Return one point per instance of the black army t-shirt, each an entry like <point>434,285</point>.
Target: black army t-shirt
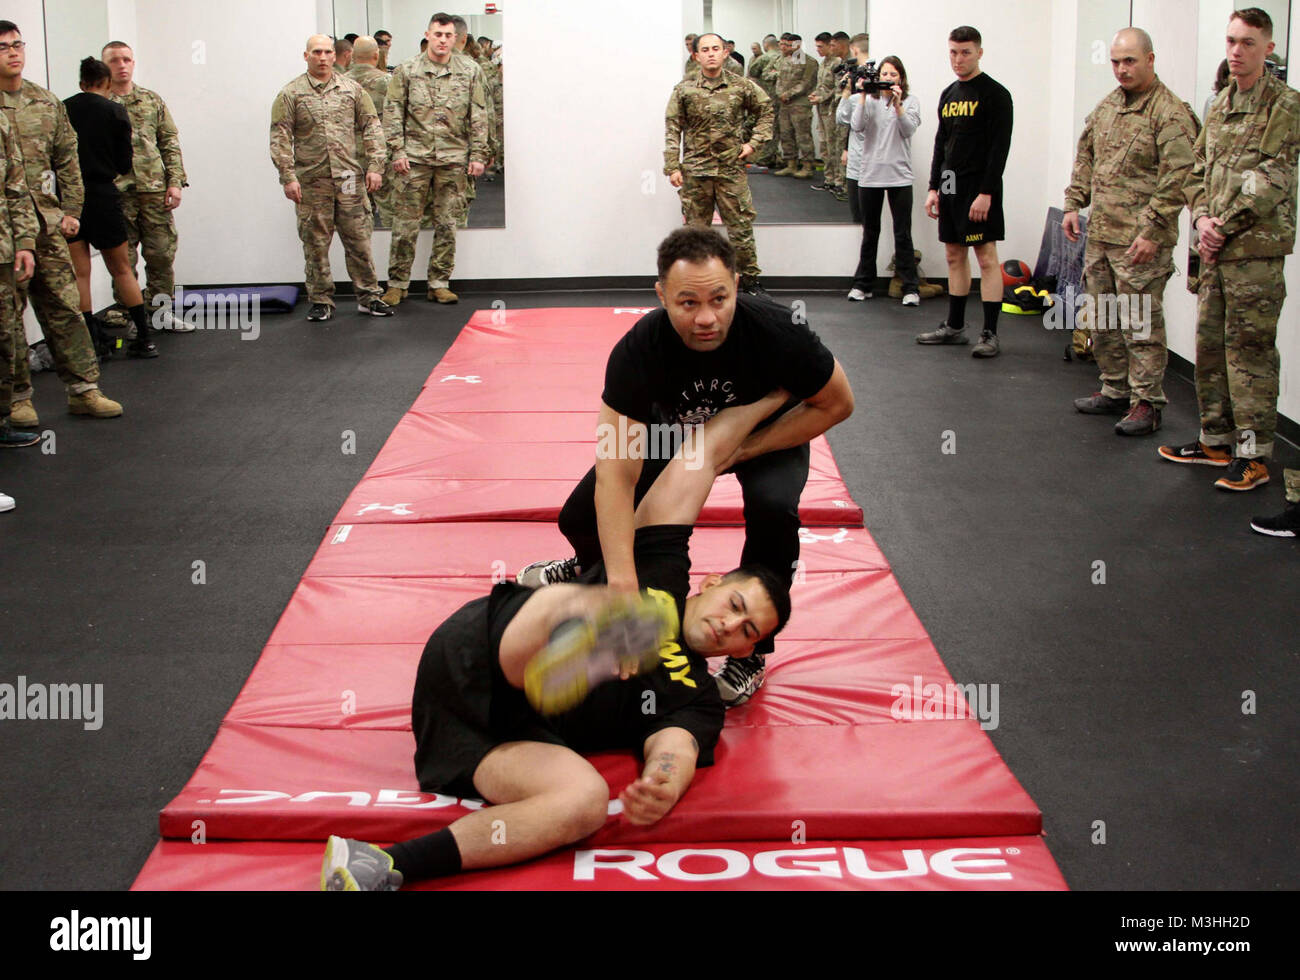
<point>974,135</point>
<point>654,378</point>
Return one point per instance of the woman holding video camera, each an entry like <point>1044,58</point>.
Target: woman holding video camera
<point>883,120</point>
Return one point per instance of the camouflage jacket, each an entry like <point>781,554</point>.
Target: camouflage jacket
<point>759,70</point>
<point>712,115</point>
<point>1132,164</point>
<point>155,143</point>
<point>314,127</point>
<point>826,88</point>
<point>49,153</point>
<point>437,114</point>
<point>796,80</point>
<point>374,81</point>
<point>1245,169</point>
<point>489,100</point>
<point>19,229</point>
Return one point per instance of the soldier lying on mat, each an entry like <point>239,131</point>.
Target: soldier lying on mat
<point>504,698</point>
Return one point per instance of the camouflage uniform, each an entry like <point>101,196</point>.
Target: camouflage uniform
<point>691,69</point>
<point>1245,174</point>
<point>156,165</point>
<point>1132,163</point>
<point>496,83</point>
<point>314,128</point>
<point>758,72</point>
<point>796,80</point>
<point>435,116</point>
<point>1292,478</point>
<point>49,152</point>
<point>18,230</point>
<point>711,114</point>
<point>827,91</point>
<point>375,82</point>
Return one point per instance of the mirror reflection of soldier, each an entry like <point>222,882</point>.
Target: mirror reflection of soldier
<point>706,147</point>
<point>314,124</point>
<point>366,73</point>
<point>435,121</point>
<point>18,230</point>
<point>796,77</point>
<point>758,71</point>
<point>824,97</point>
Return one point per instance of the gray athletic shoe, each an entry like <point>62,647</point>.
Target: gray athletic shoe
<point>740,678</point>
<point>988,345</point>
<point>944,335</point>
<point>355,866</point>
<point>541,573</point>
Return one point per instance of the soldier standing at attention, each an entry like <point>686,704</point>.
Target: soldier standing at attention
<point>1242,195</point>
<point>152,190</point>
<point>18,229</point>
<point>710,111</point>
<point>435,121</point>
<point>314,125</point>
<point>48,146</point>
<point>692,67</point>
<point>365,72</point>
<point>823,97</point>
<point>796,78</point>
<point>1134,158</point>
<point>758,71</point>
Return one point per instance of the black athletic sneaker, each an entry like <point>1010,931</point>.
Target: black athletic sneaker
<point>11,438</point>
<point>141,348</point>
<point>320,311</point>
<point>754,288</point>
<point>541,573</point>
<point>1284,525</point>
<point>374,307</point>
<point>740,678</point>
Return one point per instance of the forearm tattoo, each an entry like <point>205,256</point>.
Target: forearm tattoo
<point>666,764</point>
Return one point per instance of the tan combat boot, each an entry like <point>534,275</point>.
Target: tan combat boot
<point>22,415</point>
<point>443,295</point>
<point>805,170</point>
<point>94,404</point>
<point>393,295</point>
<point>787,169</point>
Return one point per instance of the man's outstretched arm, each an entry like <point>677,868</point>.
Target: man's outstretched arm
<point>616,478</point>
<point>670,755</point>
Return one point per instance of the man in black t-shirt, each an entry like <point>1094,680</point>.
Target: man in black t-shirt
<point>708,348</point>
<point>493,711</point>
<point>970,153</point>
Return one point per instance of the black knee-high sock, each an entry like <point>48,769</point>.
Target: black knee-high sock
<point>430,856</point>
<point>991,311</point>
<point>90,321</point>
<point>956,311</point>
<point>141,320</point>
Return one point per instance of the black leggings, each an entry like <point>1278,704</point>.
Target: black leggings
<point>870,200</point>
<point>770,487</point>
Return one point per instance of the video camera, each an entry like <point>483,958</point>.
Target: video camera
<point>863,77</point>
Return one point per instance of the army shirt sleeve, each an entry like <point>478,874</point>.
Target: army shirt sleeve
<point>1267,184</point>
<point>673,132</point>
<point>761,106</point>
<point>367,123</point>
<point>67,165</point>
<point>282,111</point>
<point>1079,193</point>
<point>394,114</point>
<point>478,118</point>
<point>1174,141</point>
<point>22,215</point>
<point>169,147</point>
<point>809,78</point>
<point>1194,190</point>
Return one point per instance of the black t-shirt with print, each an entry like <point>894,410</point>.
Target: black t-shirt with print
<point>654,378</point>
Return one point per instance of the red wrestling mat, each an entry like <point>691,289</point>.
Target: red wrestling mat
<point>859,737</point>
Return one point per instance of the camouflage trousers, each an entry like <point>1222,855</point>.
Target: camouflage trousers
<point>411,193</point>
<point>731,197</point>
<point>831,143</point>
<point>8,315</point>
<point>54,297</point>
<point>796,131</point>
<point>150,231</point>
<point>1292,478</point>
<point>771,152</point>
<point>331,204</point>
<point>1131,353</point>
<point>1236,354</point>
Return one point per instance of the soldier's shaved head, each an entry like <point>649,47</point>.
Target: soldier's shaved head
<point>319,41</point>
<point>1134,35</point>
<point>365,50</point>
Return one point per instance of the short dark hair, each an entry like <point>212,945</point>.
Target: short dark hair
<point>9,27</point>
<point>461,25</point>
<point>786,36</point>
<point>696,245</point>
<point>1254,17</point>
<point>114,44</point>
<point>381,33</point>
<point>841,35</point>
<point>695,45</point>
<point>795,37</point>
<point>777,590</point>
<point>965,33</point>
<point>824,36</point>
<point>441,18</point>
<point>424,43</point>
<point>350,37</point>
<point>341,45</point>
<point>93,71</point>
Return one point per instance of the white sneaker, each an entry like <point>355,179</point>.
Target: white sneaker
<point>164,320</point>
<point>912,299</point>
<point>6,503</point>
<point>857,295</point>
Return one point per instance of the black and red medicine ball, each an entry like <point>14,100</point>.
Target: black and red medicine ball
<point>1015,273</point>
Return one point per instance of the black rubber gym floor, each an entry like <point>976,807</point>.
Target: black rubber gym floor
<point>1121,704</point>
